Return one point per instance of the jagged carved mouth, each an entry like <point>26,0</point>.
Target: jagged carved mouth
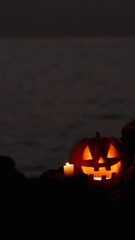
<point>103,173</point>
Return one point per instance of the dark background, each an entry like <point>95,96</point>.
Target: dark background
<point>42,18</point>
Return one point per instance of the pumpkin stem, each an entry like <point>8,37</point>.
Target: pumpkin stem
<point>97,134</point>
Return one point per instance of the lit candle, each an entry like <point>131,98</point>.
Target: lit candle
<point>68,169</point>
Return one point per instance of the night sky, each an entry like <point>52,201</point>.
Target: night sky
<point>67,17</point>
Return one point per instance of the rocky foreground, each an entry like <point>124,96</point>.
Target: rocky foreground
<point>53,186</point>
<point>53,197</point>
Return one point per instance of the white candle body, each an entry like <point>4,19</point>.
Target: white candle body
<point>68,169</point>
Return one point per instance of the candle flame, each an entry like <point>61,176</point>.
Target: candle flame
<point>67,164</point>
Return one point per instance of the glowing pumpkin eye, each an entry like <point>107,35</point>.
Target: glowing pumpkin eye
<point>112,152</point>
<point>86,154</point>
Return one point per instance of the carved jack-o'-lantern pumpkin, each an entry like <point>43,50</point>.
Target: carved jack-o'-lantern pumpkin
<point>101,158</point>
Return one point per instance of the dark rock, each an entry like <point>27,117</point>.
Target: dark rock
<point>8,170</point>
<point>128,136</point>
<point>53,194</point>
<point>53,200</point>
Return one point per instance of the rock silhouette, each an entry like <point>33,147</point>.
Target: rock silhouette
<point>51,193</point>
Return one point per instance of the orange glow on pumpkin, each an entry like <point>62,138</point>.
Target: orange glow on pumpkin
<point>98,175</point>
<point>102,171</point>
<point>112,152</point>
<point>100,158</point>
<point>86,154</point>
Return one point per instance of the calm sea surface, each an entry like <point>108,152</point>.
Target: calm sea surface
<point>55,91</point>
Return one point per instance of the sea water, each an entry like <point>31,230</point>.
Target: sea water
<point>56,91</point>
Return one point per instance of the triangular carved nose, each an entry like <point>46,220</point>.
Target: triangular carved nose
<point>101,160</point>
